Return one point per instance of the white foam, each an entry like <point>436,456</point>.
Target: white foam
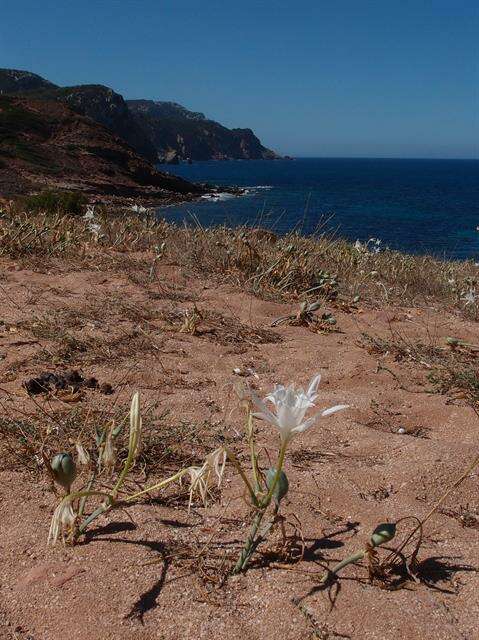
<point>217,197</point>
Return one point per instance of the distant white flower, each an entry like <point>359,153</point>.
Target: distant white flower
<point>90,213</point>
<point>470,297</point>
<point>138,208</point>
<point>290,407</point>
<point>373,245</point>
<point>94,229</point>
<point>63,520</point>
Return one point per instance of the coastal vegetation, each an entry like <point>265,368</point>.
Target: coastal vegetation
<point>147,402</point>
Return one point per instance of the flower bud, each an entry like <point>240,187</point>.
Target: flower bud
<point>383,533</point>
<point>64,470</point>
<point>282,486</point>
<point>108,455</point>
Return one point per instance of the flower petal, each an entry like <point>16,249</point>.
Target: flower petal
<point>265,413</point>
<point>313,385</point>
<point>338,407</point>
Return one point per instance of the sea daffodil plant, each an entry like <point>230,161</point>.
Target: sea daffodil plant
<point>289,407</point>
<point>66,518</point>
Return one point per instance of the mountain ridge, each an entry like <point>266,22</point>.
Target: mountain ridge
<point>160,131</point>
<point>180,135</point>
<point>45,144</point>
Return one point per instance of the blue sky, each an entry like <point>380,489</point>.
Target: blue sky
<point>323,78</point>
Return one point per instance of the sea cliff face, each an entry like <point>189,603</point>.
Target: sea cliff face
<point>88,137</point>
<point>159,131</point>
<point>179,134</point>
<point>105,106</point>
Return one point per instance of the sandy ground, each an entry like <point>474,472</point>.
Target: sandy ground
<point>351,472</point>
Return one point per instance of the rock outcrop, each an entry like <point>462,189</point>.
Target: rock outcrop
<point>105,106</point>
<point>187,135</point>
<point>46,144</point>
<point>13,81</point>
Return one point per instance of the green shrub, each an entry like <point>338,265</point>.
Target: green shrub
<point>70,202</point>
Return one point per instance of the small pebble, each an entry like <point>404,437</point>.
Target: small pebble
<point>401,430</point>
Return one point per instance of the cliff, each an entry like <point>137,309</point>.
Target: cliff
<point>180,134</point>
<point>46,144</point>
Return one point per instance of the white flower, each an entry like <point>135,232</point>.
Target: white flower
<point>470,297</point>
<point>90,213</point>
<point>63,519</point>
<point>290,407</point>
<point>94,229</point>
<point>138,208</point>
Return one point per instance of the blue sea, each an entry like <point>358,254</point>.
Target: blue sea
<point>417,206</point>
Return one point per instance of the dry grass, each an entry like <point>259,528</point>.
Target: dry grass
<point>292,267</point>
<point>217,327</point>
<point>46,425</point>
<point>452,370</point>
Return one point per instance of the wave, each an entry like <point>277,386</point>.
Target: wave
<point>218,197</point>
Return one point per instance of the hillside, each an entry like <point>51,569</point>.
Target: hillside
<point>46,144</point>
<point>15,81</point>
<point>159,131</point>
<point>179,134</point>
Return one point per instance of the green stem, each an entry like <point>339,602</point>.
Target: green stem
<point>254,459</point>
<point>234,461</point>
<point>104,508</point>
<point>359,555</point>
<point>124,473</point>
<point>83,500</point>
<point>93,516</point>
<point>159,485</point>
<point>250,545</point>
<point>279,468</point>
<point>253,540</point>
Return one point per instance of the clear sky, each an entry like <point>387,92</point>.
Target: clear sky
<point>314,78</point>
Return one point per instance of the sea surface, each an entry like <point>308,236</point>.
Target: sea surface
<point>417,206</point>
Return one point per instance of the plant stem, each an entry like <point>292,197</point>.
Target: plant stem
<point>359,555</point>
<point>252,541</point>
<point>254,459</point>
<point>234,461</point>
<point>159,485</point>
<point>249,546</point>
<point>104,508</point>
<point>81,506</point>
<point>279,468</point>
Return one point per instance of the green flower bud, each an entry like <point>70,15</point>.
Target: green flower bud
<point>64,470</point>
<point>282,486</point>
<point>383,533</point>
